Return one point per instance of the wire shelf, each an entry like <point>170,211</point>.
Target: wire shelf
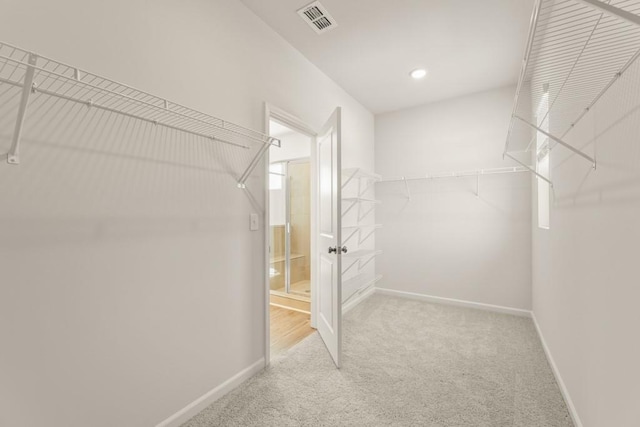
<point>576,50</point>
<point>459,174</point>
<point>477,173</point>
<point>45,76</point>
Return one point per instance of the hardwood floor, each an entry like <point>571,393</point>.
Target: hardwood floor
<point>293,302</point>
<point>288,328</point>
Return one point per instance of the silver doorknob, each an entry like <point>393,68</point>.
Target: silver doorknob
<point>333,250</point>
<point>344,249</point>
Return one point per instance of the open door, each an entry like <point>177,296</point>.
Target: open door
<point>329,306</point>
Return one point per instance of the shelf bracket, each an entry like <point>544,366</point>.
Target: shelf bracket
<point>13,157</point>
<point>355,172</point>
<point>558,140</point>
<point>349,208</point>
<point>529,169</point>
<point>406,187</point>
<point>364,215</point>
<point>366,188</point>
<point>353,233</point>
<point>242,182</point>
<point>361,265</point>
<point>613,10</point>
<point>357,261</point>
<point>361,239</point>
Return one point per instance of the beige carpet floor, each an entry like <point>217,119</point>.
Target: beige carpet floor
<point>406,363</point>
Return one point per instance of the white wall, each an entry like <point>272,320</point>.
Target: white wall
<point>446,242</point>
<point>293,145</point>
<point>131,284</point>
<point>586,284</point>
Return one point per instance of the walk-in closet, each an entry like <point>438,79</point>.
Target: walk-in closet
<point>219,213</point>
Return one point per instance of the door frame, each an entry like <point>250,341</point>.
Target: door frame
<point>272,112</point>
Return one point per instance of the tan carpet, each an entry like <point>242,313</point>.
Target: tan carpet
<point>406,363</point>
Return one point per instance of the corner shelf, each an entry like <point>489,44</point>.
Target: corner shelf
<point>358,183</point>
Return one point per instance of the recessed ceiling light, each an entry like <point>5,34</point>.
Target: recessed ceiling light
<point>418,73</point>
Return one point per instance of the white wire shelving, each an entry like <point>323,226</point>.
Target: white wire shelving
<point>357,186</point>
<point>477,173</point>
<point>356,173</point>
<point>357,230</point>
<point>357,285</point>
<point>36,75</point>
<point>576,50</point>
<point>361,258</point>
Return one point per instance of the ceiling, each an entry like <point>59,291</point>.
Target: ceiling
<point>467,45</point>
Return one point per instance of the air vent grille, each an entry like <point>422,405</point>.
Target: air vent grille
<point>317,17</point>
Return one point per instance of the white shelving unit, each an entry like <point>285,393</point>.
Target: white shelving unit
<point>576,51</point>
<point>28,78</point>
<point>357,285</point>
<point>357,235</point>
<point>477,173</point>
<point>363,232</point>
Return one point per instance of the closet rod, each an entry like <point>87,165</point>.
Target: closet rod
<point>460,174</point>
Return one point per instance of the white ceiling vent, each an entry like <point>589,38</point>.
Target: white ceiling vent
<point>317,17</point>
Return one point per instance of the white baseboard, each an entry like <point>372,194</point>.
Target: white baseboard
<point>357,300</point>
<point>556,373</point>
<point>456,302</point>
<point>189,411</point>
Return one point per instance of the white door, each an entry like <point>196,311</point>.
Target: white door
<point>329,305</point>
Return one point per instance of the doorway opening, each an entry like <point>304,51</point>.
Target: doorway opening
<point>290,237</point>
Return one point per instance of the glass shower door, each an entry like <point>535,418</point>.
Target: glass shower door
<point>279,280</point>
<point>290,227</point>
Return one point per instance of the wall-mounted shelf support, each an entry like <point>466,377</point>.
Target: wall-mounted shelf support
<point>406,187</point>
<point>568,75</point>
<point>361,264</point>
<point>613,11</point>
<point>355,201</point>
<point>256,160</point>
<point>353,233</point>
<point>351,206</point>
<point>13,157</point>
<point>558,140</point>
<point>359,256</point>
<point>361,239</point>
<point>357,173</point>
<point>344,270</point>
<point>357,285</point>
<point>38,75</point>
<point>461,174</point>
<point>358,230</point>
<point>533,171</point>
<point>362,215</point>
